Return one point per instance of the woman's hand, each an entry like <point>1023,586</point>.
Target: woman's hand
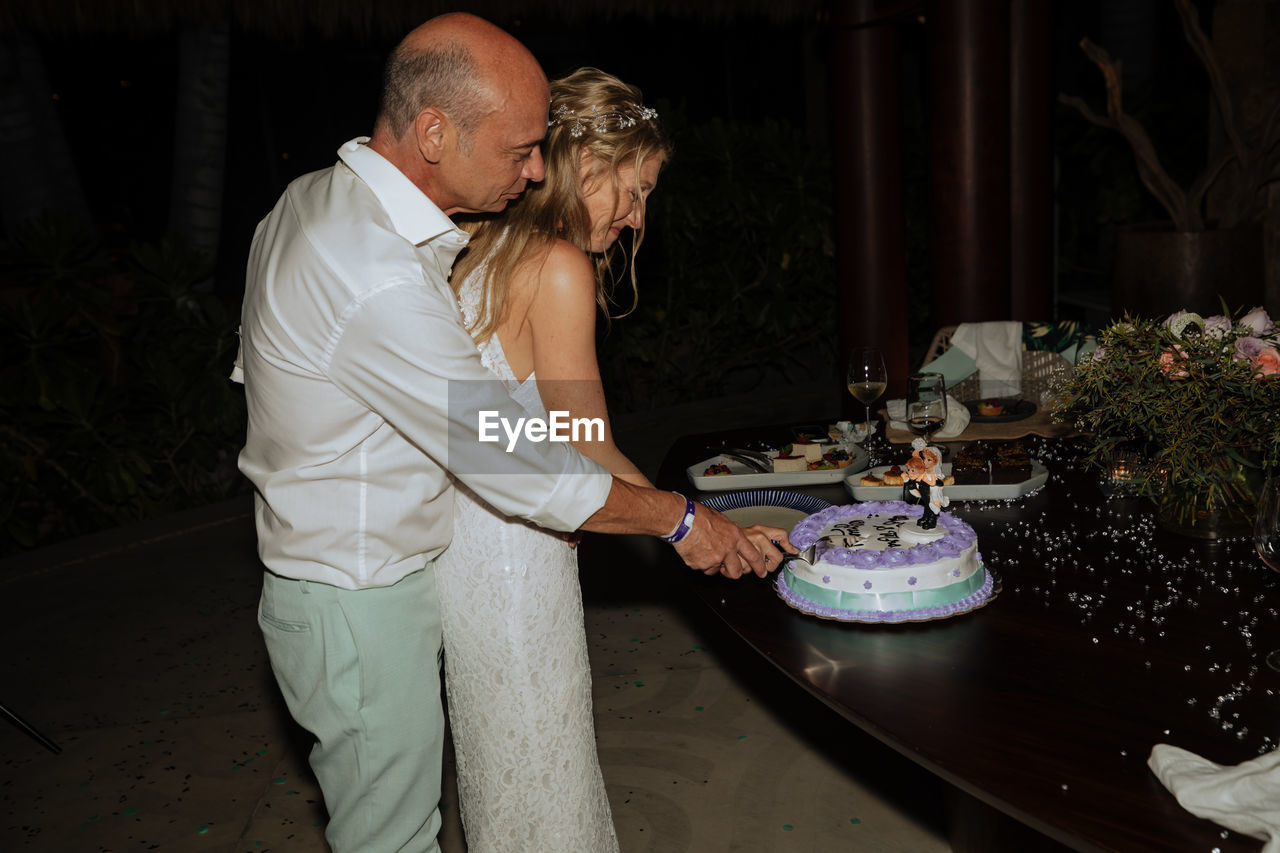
<point>573,537</point>
<point>738,549</point>
<point>772,542</point>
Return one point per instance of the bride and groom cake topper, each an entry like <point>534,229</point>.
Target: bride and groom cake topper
<point>922,485</point>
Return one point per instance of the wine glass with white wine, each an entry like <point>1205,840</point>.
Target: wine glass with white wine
<point>1266,538</point>
<point>926,403</point>
<point>867,378</point>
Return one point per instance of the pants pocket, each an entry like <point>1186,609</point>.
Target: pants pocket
<point>269,621</point>
<point>280,592</point>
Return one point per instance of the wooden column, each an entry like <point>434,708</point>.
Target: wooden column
<point>1031,226</point>
<point>969,159</point>
<point>866,120</point>
<point>1243,39</point>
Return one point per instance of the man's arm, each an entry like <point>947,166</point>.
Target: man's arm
<point>405,355</point>
<point>713,545</point>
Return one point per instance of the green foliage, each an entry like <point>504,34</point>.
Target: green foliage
<point>51,245</point>
<point>115,403</point>
<point>1191,404</point>
<point>737,274</point>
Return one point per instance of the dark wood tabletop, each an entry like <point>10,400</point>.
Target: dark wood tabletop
<point>1109,635</point>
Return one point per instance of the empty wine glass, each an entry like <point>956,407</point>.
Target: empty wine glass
<point>867,378</point>
<point>926,403</point>
<point>1266,538</point>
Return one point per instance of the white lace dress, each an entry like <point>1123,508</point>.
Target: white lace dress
<point>516,673</point>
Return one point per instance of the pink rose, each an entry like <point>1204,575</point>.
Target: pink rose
<point>1267,362</point>
<point>1169,364</point>
<point>1260,354</point>
<point>1258,322</point>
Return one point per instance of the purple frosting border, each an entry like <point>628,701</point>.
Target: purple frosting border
<point>959,536</point>
<point>924,614</point>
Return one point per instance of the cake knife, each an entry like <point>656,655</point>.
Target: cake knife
<point>805,554</point>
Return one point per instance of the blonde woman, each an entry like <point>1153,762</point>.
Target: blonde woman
<point>516,669</point>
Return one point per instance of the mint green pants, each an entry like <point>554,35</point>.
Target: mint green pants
<point>360,670</point>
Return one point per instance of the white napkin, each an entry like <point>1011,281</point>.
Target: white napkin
<point>957,417</point>
<point>1244,798</point>
<point>996,349</point>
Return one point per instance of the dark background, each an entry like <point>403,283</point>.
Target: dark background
<point>115,349</point>
<point>294,99</point>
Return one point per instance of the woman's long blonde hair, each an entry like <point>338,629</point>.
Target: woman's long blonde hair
<point>591,111</point>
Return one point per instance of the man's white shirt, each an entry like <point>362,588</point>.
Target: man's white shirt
<point>363,387</point>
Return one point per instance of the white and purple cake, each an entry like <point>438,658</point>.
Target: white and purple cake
<point>869,566</point>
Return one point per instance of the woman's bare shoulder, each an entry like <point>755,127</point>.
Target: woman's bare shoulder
<point>567,272</point>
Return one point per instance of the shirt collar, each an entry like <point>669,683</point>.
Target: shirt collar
<point>414,215</point>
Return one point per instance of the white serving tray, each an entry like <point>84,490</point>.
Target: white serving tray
<point>1003,491</point>
<point>746,477</point>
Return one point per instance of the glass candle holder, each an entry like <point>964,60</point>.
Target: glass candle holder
<point>1119,476</point>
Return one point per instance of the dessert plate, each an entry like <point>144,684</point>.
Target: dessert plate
<point>774,507</point>
<point>1004,491</point>
<point>1014,410</point>
<point>741,476</point>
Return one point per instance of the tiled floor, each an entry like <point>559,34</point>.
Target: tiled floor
<point>138,652</point>
<point>705,747</point>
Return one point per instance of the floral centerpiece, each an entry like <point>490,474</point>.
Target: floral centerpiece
<point>1190,405</point>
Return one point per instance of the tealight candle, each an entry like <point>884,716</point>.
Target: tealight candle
<point>1119,476</point>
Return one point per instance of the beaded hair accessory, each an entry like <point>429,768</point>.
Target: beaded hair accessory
<point>601,121</point>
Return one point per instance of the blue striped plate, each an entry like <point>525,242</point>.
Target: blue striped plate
<point>774,507</point>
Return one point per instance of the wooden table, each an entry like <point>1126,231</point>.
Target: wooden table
<point>1109,636</point>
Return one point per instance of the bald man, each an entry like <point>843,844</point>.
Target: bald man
<point>365,395</point>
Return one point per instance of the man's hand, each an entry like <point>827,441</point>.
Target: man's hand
<point>714,544</point>
<point>717,545</point>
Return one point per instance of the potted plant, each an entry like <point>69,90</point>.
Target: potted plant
<point>1192,262</point>
<point>1186,410</point>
